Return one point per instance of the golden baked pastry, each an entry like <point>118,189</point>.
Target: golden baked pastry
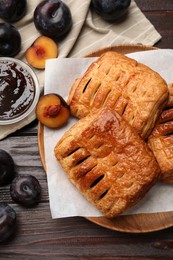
<point>134,90</point>
<point>107,161</point>
<point>161,140</point>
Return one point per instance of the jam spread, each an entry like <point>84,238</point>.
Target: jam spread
<point>17,90</point>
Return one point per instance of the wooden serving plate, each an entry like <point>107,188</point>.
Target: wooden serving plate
<point>139,223</point>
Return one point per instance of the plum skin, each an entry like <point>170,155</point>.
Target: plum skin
<point>25,190</point>
<point>53,18</point>
<point>12,10</point>
<point>110,10</point>
<point>10,40</point>
<point>7,221</point>
<point>7,168</point>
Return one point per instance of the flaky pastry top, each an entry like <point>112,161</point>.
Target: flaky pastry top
<point>107,161</point>
<point>134,90</point>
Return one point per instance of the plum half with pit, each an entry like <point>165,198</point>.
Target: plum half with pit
<point>53,18</point>
<point>52,110</point>
<point>111,10</point>
<point>7,168</point>
<point>7,221</point>
<point>10,40</point>
<point>12,10</point>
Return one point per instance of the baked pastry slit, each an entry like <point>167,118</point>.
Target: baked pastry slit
<point>96,181</point>
<point>86,85</point>
<point>99,145</point>
<point>120,105</point>
<point>144,93</point>
<point>124,108</point>
<point>114,163</point>
<point>134,88</point>
<point>73,151</point>
<point>83,169</point>
<point>106,97</point>
<point>94,94</point>
<point>82,160</point>
<point>107,72</point>
<point>79,156</point>
<point>103,194</point>
<point>120,175</point>
<point>166,115</point>
<point>91,179</point>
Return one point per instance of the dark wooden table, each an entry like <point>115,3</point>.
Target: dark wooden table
<point>40,237</point>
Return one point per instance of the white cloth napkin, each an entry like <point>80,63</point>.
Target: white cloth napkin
<point>89,33</point>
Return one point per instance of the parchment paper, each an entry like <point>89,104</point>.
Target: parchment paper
<point>65,199</point>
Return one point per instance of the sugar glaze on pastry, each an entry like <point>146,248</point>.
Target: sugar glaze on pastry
<point>134,90</point>
<point>107,161</point>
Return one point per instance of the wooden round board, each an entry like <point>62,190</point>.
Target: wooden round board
<point>139,223</point>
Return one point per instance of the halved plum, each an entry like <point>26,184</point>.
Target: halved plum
<point>52,110</point>
<point>42,49</point>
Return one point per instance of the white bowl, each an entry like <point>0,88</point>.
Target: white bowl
<point>19,90</point>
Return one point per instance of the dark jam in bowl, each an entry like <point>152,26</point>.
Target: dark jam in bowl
<point>17,90</point>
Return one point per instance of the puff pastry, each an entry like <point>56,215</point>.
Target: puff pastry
<point>135,91</point>
<point>107,161</point>
<point>161,140</point>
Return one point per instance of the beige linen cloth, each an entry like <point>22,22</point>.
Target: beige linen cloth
<point>89,33</point>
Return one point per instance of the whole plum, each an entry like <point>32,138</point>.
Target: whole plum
<point>10,40</point>
<point>53,18</point>
<point>7,221</point>
<point>6,168</point>
<point>110,10</point>
<point>12,10</point>
<point>25,190</point>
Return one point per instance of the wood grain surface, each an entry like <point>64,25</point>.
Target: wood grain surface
<point>39,237</point>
